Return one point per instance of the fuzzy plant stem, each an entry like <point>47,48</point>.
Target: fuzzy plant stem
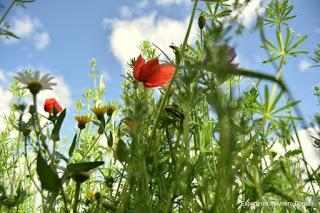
<point>76,197</point>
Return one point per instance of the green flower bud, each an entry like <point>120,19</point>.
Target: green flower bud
<point>201,21</point>
<point>31,109</point>
<point>97,196</point>
<point>110,139</point>
<point>80,177</point>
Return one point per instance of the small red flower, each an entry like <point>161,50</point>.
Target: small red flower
<point>50,103</point>
<point>152,74</point>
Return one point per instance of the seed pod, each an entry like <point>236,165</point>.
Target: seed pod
<point>109,181</point>
<point>31,109</point>
<point>26,132</point>
<point>201,21</point>
<point>80,177</point>
<point>97,196</point>
<point>110,140</point>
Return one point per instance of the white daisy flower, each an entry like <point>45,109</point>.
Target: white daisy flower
<point>34,82</point>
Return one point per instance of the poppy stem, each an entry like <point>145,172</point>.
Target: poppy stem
<point>165,97</point>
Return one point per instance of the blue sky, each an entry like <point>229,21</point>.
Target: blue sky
<point>61,37</point>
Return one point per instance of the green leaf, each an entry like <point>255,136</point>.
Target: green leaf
<point>293,153</point>
<point>273,58</point>
<point>286,46</point>
<point>276,100</point>
<point>286,106</point>
<point>287,117</point>
<point>83,167</point>
<point>268,42</point>
<point>48,177</point>
<point>280,40</point>
<point>266,97</point>
<point>57,126</point>
<point>295,53</point>
<point>122,151</point>
<point>8,33</point>
<point>60,156</point>
<point>73,145</point>
<point>224,13</point>
<point>298,42</point>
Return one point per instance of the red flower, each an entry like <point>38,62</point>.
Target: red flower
<point>50,103</point>
<point>152,74</point>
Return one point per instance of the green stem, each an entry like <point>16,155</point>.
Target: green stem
<point>64,201</point>
<point>118,188</point>
<point>275,85</point>
<point>36,123</point>
<point>76,197</point>
<point>7,11</point>
<point>165,97</point>
<point>29,170</point>
<point>37,128</point>
<point>303,156</point>
<point>94,143</point>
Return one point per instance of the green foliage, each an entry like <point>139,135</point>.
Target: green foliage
<point>57,126</point>
<point>279,13</point>
<point>83,167</point>
<point>48,177</point>
<point>316,57</point>
<point>285,48</point>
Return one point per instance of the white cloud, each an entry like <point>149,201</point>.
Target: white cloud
<point>311,153</point>
<point>125,12</point>
<point>304,65</point>
<point>27,28</point>
<point>41,40</point>
<point>249,13</point>
<point>142,4</point>
<point>5,99</point>
<point>126,35</point>
<point>2,76</point>
<point>23,27</point>
<point>5,96</point>
<point>171,2</point>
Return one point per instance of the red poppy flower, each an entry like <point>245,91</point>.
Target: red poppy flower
<point>152,74</point>
<point>50,103</point>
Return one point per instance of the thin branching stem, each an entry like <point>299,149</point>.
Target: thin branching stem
<point>165,97</point>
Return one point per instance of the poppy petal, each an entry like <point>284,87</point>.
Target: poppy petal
<point>137,67</point>
<point>147,69</point>
<point>160,75</point>
<point>50,103</point>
